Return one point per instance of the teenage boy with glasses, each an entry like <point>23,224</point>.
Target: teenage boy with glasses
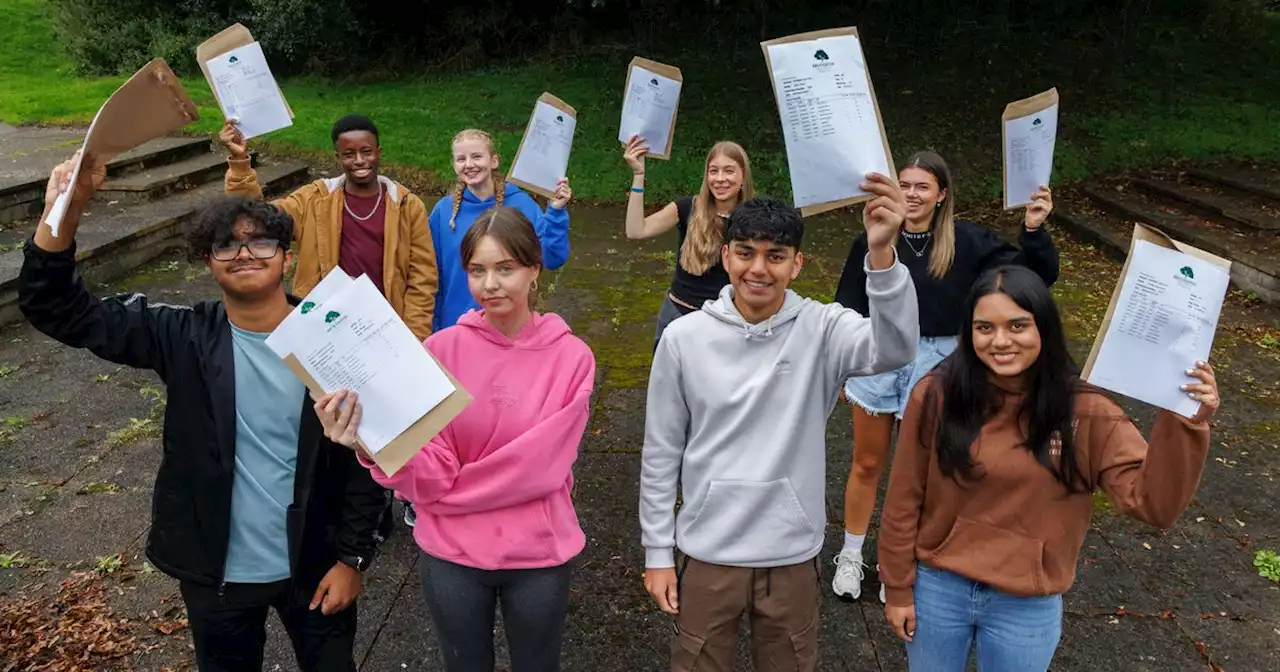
<point>253,508</point>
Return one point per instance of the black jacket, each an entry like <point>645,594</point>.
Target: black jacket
<point>337,504</point>
<point>941,300</point>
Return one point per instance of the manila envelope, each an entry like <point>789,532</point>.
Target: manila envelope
<point>1016,110</point>
<point>819,208</point>
<point>1154,237</point>
<point>670,72</point>
<point>230,38</point>
<point>151,104</point>
<point>559,105</point>
<point>402,448</point>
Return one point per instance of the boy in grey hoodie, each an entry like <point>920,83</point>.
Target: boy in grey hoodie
<point>736,417</point>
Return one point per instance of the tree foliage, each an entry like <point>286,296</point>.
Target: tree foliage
<point>329,36</point>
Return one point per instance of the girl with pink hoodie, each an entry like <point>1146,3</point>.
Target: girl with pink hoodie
<point>492,491</point>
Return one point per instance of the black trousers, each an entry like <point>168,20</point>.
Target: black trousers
<point>229,629</point>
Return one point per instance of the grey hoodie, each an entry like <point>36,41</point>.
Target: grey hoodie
<point>737,416</point>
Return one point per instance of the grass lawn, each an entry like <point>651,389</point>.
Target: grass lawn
<point>1190,108</point>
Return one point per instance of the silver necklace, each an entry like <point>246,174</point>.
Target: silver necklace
<point>358,218</point>
<point>920,252</point>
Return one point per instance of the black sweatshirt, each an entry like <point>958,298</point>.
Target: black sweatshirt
<point>942,300</point>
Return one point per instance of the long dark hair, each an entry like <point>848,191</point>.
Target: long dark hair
<point>970,399</point>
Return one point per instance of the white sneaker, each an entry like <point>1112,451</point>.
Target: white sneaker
<point>847,583</point>
<point>410,516</point>
<point>882,600</point>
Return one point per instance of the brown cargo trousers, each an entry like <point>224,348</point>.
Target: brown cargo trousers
<point>781,603</point>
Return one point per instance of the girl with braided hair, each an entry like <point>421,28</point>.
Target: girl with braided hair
<point>480,188</point>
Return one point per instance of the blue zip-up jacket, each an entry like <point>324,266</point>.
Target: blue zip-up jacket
<point>453,298</point>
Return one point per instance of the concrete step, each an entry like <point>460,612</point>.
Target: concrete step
<point>114,239</point>
<point>27,156</point>
<point>1257,183</point>
<point>1112,239</point>
<point>152,183</point>
<point>1254,255</point>
<point>1215,204</point>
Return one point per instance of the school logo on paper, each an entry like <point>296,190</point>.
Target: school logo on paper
<point>1037,122</point>
<point>822,61</point>
<point>653,82</point>
<point>308,306</point>
<point>560,118</point>
<point>332,316</point>
<point>1188,273</point>
<point>233,60</point>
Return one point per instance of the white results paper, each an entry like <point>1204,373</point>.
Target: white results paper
<point>357,342</point>
<point>248,92</point>
<point>1164,322</point>
<point>544,152</point>
<point>1028,154</point>
<point>828,118</point>
<point>649,109</point>
<point>280,341</point>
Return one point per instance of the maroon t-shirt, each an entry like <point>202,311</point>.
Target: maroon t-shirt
<point>360,250</point>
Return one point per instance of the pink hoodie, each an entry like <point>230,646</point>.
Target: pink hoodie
<point>492,490</point>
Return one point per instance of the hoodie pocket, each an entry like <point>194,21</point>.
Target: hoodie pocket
<point>749,521</point>
<point>1009,560</point>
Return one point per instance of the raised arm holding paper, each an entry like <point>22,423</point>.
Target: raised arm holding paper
<point>252,505</point>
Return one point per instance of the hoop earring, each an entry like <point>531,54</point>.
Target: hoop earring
<point>534,287</point>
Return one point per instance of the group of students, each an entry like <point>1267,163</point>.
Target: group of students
<point>264,498</point>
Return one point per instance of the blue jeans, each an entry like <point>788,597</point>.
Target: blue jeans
<point>955,615</point>
<point>889,392</point>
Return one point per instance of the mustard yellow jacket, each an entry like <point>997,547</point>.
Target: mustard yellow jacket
<point>409,269</point>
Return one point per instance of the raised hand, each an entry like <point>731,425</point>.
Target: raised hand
<point>882,216</point>
<point>634,154</point>
<point>1039,208</point>
<point>562,195</point>
<point>90,180</point>
<point>231,138</point>
<point>1205,392</point>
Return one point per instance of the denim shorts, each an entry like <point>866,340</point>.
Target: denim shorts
<point>888,392</point>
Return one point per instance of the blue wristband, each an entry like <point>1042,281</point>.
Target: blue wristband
<point>637,190</point>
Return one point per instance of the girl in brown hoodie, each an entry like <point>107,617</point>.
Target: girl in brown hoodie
<point>990,493</point>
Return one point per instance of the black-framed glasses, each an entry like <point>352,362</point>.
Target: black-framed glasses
<point>259,248</point>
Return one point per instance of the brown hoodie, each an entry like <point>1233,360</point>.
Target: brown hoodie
<point>1016,528</point>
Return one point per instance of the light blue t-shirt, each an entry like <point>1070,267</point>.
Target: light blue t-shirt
<point>268,410</point>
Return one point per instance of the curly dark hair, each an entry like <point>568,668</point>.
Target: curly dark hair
<point>766,219</point>
<point>216,223</point>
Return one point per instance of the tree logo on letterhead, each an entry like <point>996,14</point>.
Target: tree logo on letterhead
<point>331,316</point>
<point>308,306</point>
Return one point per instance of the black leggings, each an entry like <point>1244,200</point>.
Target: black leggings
<point>462,601</point>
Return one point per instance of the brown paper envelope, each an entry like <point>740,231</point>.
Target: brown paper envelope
<point>151,104</point>
<point>1155,237</point>
<point>818,208</point>
<point>410,441</point>
<point>1016,110</point>
<point>559,105</point>
<point>230,38</point>
<point>670,72</point>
